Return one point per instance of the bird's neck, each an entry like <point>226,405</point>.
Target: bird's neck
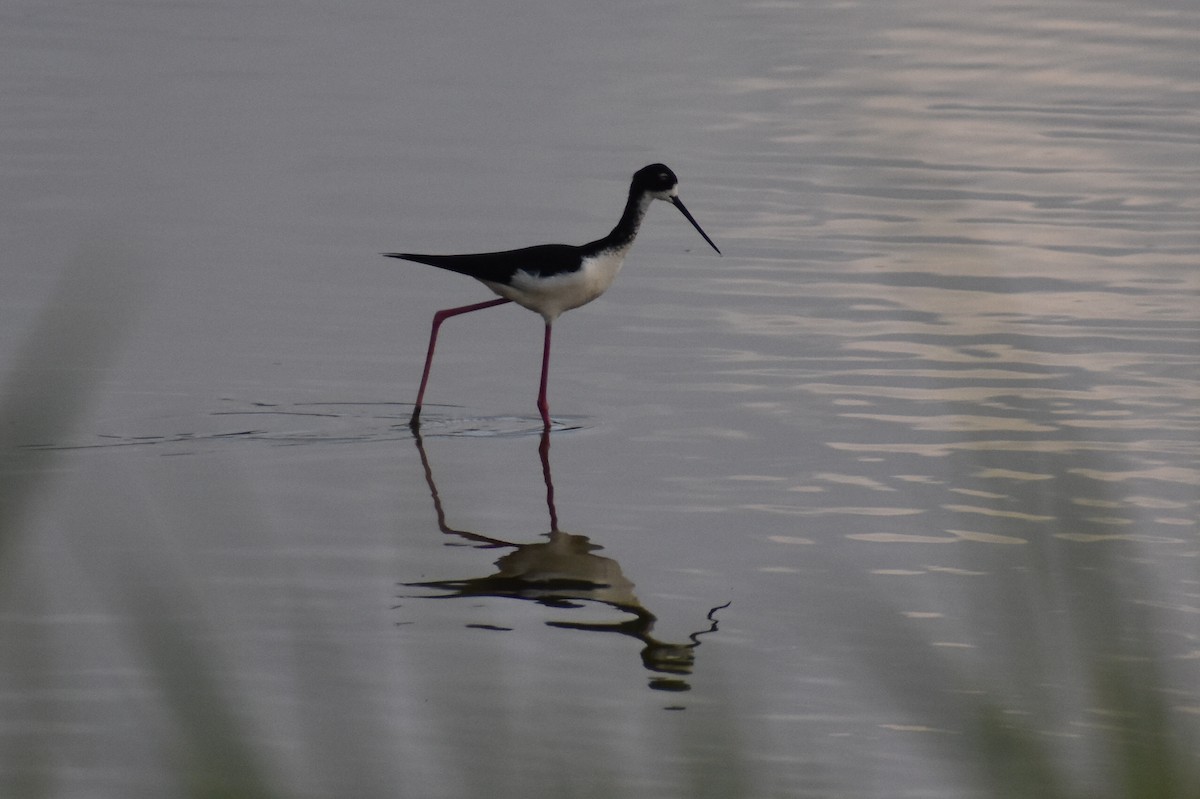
<point>631,219</point>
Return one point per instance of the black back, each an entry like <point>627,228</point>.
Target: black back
<point>545,260</point>
<point>499,267</point>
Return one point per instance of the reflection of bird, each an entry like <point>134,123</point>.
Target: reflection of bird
<point>564,571</point>
<point>552,278</point>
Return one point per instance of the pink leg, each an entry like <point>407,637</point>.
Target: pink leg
<point>542,404</point>
<point>438,318</point>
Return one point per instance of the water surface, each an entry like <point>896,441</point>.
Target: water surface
<point>914,463</point>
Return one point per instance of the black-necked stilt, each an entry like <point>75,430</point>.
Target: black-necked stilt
<point>552,278</point>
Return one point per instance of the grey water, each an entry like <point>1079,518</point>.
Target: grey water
<point>898,497</point>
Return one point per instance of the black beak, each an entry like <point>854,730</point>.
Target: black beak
<point>678,203</point>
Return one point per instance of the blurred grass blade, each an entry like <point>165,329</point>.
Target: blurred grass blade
<point>55,374</point>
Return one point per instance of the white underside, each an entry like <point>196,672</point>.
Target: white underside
<point>550,296</point>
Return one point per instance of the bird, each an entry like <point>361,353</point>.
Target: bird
<point>550,279</point>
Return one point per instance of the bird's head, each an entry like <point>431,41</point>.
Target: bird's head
<point>659,182</point>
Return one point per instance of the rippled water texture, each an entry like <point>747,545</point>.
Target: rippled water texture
<point>898,497</point>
